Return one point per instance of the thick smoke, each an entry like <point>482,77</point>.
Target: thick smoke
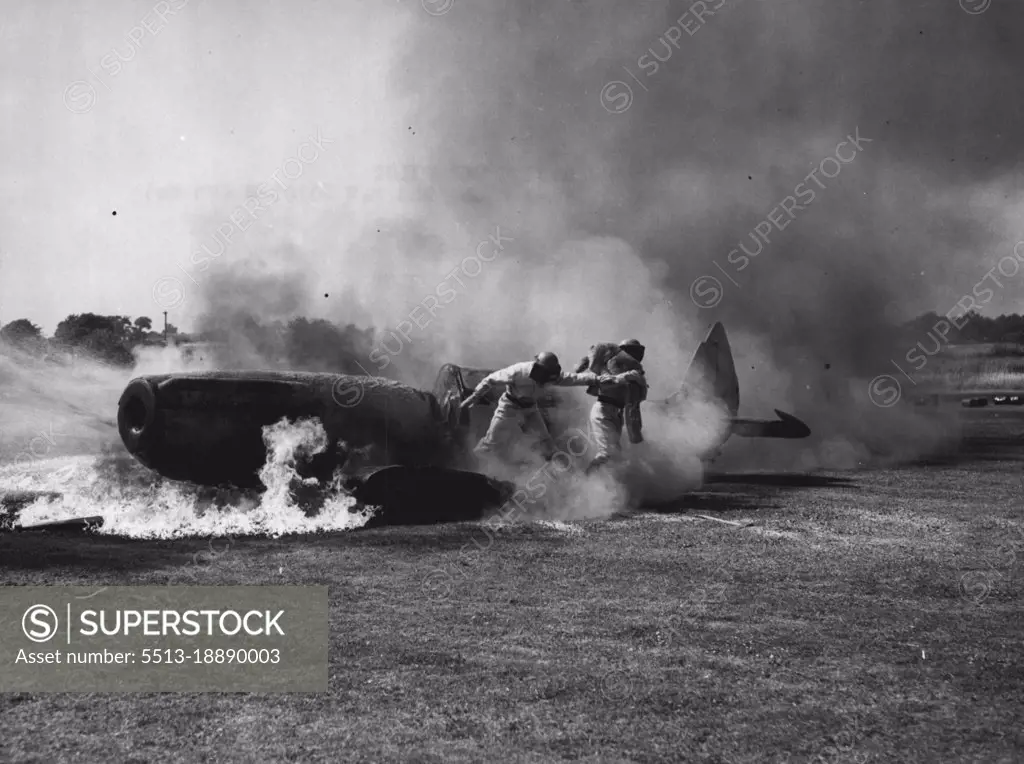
<point>55,405</point>
<point>529,210</point>
<point>739,110</point>
<point>256,320</point>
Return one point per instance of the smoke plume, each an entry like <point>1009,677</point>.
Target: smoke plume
<point>539,204</point>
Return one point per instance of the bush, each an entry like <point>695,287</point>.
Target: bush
<point>23,334</point>
<point>107,338</point>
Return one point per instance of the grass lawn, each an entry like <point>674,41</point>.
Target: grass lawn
<point>980,366</point>
<point>870,616</point>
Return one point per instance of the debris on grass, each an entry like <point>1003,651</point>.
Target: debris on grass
<point>727,522</point>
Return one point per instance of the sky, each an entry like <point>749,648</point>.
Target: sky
<point>626,150</point>
<point>179,110</point>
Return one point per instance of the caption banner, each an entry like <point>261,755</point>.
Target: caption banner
<point>163,639</point>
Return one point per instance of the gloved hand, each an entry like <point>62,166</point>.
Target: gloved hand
<point>630,376</point>
<point>621,379</point>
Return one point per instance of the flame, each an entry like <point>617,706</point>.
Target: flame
<point>137,504</point>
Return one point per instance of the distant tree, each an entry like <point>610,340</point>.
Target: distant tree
<point>21,328</point>
<point>107,337</point>
<point>974,327</point>
<point>24,334</point>
<point>140,326</point>
<point>320,345</point>
<point>969,328</point>
<point>107,345</point>
<point>76,327</point>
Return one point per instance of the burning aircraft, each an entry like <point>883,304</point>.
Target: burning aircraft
<point>393,444</point>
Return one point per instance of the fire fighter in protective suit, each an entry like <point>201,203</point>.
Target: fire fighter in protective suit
<point>517,412</point>
<point>618,396</point>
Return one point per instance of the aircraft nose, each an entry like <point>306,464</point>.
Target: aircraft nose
<point>136,413</point>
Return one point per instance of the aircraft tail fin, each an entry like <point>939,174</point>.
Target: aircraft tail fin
<point>713,370</point>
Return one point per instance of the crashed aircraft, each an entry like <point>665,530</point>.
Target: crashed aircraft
<point>396,446</point>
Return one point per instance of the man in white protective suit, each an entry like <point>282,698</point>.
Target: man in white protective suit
<point>517,413</point>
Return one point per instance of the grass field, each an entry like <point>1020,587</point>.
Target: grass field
<point>855,617</point>
<point>981,366</point>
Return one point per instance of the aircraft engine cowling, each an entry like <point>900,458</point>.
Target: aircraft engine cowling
<point>207,427</point>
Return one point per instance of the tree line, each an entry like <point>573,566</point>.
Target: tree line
<point>317,344</point>
<point>971,328</point>
<point>107,338</point>
<point>322,345</point>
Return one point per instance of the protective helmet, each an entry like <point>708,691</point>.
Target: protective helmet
<point>546,366</point>
<point>633,347</point>
<point>549,362</point>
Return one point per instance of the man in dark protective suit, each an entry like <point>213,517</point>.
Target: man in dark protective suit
<point>618,402</point>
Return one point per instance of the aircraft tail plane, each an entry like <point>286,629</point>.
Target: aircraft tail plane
<point>714,370</point>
